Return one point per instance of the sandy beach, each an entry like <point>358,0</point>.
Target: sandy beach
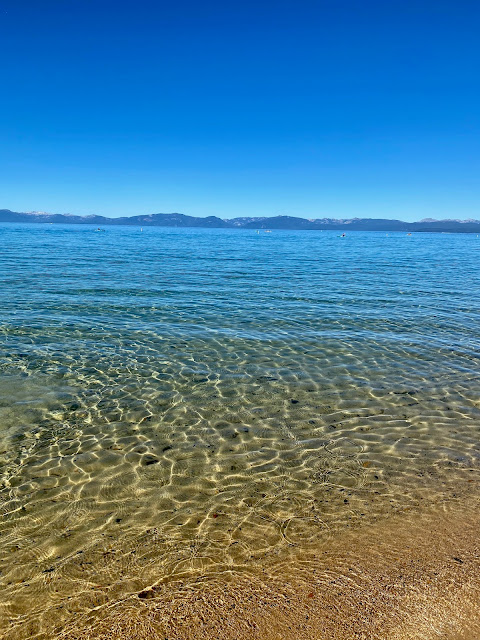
<point>413,576</point>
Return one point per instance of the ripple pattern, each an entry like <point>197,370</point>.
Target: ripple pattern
<point>180,404</point>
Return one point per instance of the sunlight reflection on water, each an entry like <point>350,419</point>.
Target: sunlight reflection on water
<point>187,401</point>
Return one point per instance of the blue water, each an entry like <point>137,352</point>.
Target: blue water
<point>188,381</point>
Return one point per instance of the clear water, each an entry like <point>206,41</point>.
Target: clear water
<point>187,402</point>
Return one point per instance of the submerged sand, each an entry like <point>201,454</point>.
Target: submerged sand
<point>415,575</point>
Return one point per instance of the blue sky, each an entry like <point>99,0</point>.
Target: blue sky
<point>302,108</point>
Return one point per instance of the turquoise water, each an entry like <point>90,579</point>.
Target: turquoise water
<point>185,402</point>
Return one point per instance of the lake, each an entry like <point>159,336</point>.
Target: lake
<point>196,402</point>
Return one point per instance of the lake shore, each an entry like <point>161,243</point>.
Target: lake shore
<point>412,576</point>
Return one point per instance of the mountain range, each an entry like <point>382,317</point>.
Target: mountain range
<point>277,222</point>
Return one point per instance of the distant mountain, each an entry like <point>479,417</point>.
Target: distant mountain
<point>153,220</point>
<point>169,220</point>
<point>277,222</point>
<point>242,222</point>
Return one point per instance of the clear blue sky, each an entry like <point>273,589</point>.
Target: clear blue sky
<point>313,109</point>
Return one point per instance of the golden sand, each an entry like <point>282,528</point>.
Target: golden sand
<point>414,576</point>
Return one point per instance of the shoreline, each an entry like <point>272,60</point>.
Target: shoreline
<point>261,223</point>
<point>409,577</point>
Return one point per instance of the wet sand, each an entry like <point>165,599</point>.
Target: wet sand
<point>412,576</point>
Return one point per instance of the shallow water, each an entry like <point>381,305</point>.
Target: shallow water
<point>190,401</point>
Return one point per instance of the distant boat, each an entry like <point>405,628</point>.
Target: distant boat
<point>98,229</point>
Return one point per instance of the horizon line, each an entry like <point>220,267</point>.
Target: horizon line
<point>246,217</point>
